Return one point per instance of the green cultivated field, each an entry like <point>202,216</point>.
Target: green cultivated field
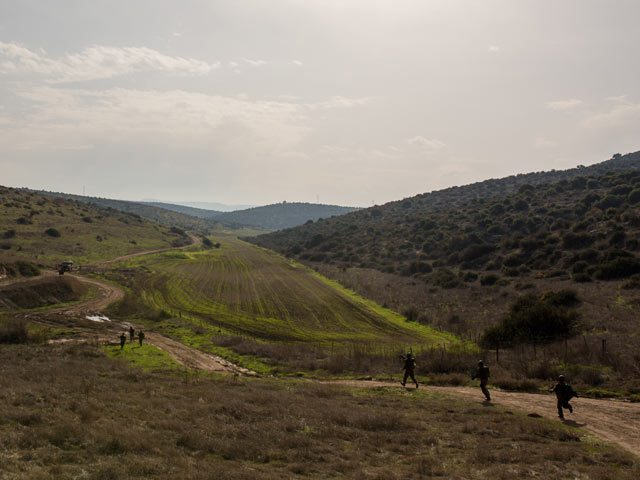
<point>250,291</point>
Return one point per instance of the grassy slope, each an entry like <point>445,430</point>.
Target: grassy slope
<point>254,292</point>
<point>72,412</point>
<point>87,233</point>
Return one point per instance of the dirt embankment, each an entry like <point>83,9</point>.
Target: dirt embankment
<point>41,292</point>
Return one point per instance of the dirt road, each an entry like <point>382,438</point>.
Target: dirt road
<point>193,358</point>
<point>195,242</point>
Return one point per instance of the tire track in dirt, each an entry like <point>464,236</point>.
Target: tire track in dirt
<point>195,242</point>
<point>194,358</point>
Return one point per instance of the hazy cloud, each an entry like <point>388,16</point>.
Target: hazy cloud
<point>96,62</point>
<point>544,143</point>
<point>621,117</point>
<point>426,143</point>
<point>563,104</point>
<point>493,48</point>
<point>339,102</point>
<point>256,63</point>
<point>77,118</point>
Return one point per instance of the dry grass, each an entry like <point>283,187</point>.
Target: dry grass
<point>71,412</point>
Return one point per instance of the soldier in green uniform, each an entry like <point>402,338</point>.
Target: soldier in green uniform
<point>409,368</point>
<point>123,340</point>
<point>483,374</point>
<point>140,337</point>
<point>131,334</point>
<point>564,392</point>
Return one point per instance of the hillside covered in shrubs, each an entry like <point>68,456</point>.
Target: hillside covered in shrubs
<point>183,218</point>
<point>586,226</point>
<point>36,229</point>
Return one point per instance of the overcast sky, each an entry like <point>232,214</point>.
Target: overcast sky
<point>343,101</point>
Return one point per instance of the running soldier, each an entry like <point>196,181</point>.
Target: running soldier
<point>483,374</point>
<point>123,340</point>
<point>140,336</point>
<point>564,392</point>
<point>131,334</point>
<point>409,368</point>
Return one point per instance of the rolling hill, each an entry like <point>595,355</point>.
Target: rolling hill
<point>191,211</point>
<point>40,229</point>
<point>534,221</point>
<point>282,215</point>
<point>152,212</point>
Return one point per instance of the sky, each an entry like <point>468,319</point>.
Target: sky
<point>348,102</point>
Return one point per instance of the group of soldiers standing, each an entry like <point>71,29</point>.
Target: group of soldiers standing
<point>132,334</point>
<point>564,392</point>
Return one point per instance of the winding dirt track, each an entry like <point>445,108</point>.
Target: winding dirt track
<point>612,421</point>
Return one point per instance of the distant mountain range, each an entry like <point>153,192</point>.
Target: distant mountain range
<point>213,206</point>
<point>191,211</point>
<point>269,217</point>
<point>282,215</point>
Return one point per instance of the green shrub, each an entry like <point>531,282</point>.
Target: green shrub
<point>579,267</point>
<point>489,279</point>
<point>634,196</point>
<point>207,243</point>
<point>473,252</point>
<point>573,241</point>
<point>620,267</point>
<point>14,331</point>
<point>445,278</point>
<point>470,277</point>
<point>610,201</point>
<point>27,269</point>
<point>536,320</point>
<point>52,232</point>
<point>634,282</point>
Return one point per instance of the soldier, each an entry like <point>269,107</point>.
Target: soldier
<point>131,334</point>
<point>564,392</point>
<point>123,340</point>
<point>483,374</point>
<point>140,337</point>
<point>409,367</point>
